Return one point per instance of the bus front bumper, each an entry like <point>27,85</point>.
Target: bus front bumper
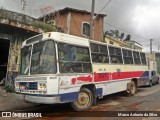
<point>39,99</point>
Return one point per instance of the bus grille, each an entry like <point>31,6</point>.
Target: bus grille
<point>29,85</point>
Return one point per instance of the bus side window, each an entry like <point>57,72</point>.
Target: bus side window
<point>143,58</point>
<point>136,57</point>
<point>72,58</point>
<point>127,56</point>
<point>99,53</point>
<point>115,55</point>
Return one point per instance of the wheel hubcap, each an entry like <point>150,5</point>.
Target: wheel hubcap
<point>83,99</point>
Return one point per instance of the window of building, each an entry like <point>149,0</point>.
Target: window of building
<point>127,56</point>
<point>115,55</point>
<point>143,59</point>
<point>99,53</point>
<point>136,58</point>
<point>73,59</point>
<point>86,29</point>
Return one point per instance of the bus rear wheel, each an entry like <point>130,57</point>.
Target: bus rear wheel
<point>133,89</point>
<point>85,100</point>
<point>150,83</point>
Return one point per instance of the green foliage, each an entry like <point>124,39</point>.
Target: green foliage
<point>116,32</point>
<point>44,26</point>
<point>121,36</point>
<point>128,37</point>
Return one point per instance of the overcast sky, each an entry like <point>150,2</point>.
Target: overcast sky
<point>139,17</point>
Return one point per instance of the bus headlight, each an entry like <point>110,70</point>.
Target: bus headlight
<point>42,86</point>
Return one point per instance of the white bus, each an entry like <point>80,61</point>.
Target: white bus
<point>61,68</point>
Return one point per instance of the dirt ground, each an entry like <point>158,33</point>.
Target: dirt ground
<point>9,102</point>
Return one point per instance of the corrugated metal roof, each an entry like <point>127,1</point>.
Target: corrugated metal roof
<point>68,9</point>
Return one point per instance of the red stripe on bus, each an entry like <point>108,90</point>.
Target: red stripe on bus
<point>99,77</point>
<point>82,78</point>
<point>124,75</point>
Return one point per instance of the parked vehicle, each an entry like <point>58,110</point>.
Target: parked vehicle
<point>152,78</point>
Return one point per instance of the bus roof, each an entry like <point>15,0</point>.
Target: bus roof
<point>66,38</point>
<point>59,37</point>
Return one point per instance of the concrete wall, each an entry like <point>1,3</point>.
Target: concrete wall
<point>151,56</point>
<point>133,46</point>
<point>16,39</point>
<point>152,65</point>
<point>115,42</point>
<point>154,59</point>
<point>158,62</point>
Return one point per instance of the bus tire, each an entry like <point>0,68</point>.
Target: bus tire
<point>85,100</point>
<point>157,81</point>
<point>150,83</point>
<point>132,89</point>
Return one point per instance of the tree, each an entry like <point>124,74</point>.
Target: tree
<point>128,37</point>
<point>111,33</point>
<point>105,33</point>
<point>121,36</point>
<point>116,33</point>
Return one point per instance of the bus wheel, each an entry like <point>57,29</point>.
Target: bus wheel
<point>157,81</point>
<point>133,88</point>
<point>85,100</point>
<point>150,83</point>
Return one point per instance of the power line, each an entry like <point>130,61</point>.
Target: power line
<point>102,9</point>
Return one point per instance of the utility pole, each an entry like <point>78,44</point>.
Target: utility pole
<point>151,45</point>
<point>92,20</point>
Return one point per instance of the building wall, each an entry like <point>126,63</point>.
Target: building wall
<point>76,21</point>
<point>14,59</point>
<point>151,56</point>
<point>158,64</point>
<point>152,64</point>
<point>61,21</point>
<point>15,36</point>
<point>154,60</point>
<point>115,42</point>
<point>133,46</point>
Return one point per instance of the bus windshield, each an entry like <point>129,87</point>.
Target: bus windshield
<point>43,59</point>
<point>25,59</point>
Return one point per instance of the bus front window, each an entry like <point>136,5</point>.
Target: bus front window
<point>43,59</point>
<point>25,60</point>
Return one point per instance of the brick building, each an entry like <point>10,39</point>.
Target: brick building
<point>76,22</point>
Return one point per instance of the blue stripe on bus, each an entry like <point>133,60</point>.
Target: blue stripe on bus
<point>69,97</point>
<point>66,97</point>
<point>99,92</point>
